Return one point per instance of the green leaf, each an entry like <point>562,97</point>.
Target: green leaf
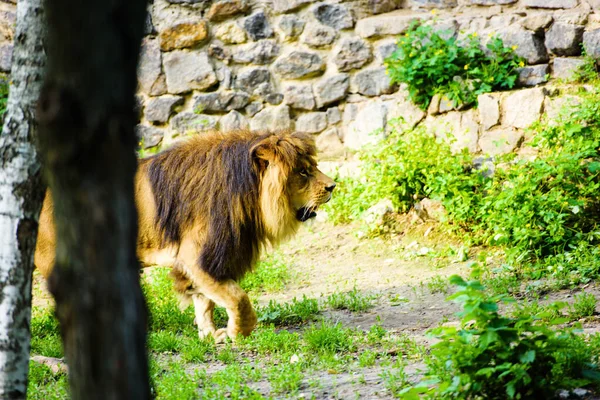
<point>527,357</point>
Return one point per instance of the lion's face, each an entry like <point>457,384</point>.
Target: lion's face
<point>309,188</point>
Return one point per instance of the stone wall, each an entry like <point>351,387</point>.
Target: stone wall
<point>317,66</point>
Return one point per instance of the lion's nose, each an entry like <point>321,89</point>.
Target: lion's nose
<point>330,188</point>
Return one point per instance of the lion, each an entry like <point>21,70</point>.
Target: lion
<point>208,206</point>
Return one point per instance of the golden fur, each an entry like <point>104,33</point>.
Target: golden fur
<point>208,206</point>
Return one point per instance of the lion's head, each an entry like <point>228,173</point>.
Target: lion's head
<point>292,187</point>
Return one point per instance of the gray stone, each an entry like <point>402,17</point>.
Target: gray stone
<point>522,108</point>
<point>283,6</point>
<point>564,39</point>
<point>183,34</point>
<point>317,35</point>
<point>220,101</point>
<point>500,141</point>
<point>489,110</point>
<point>550,3</point>
<point>491,2</point>
<point>386,49</point>
<point>165,14</point>
<point>591,42</point>
<point>460,129</point>
<point>576,17</point>
<point>384,25</point>
<point>272,118</point>
<point>291,26</point>
<point>188,122</point>
<point>261,52</point>
<point>230,33</point>
<point>333,115</point>
<point>299,64</point>
<point>257,26</point>
<point>233,121</point>
<point>368,127</point>
<point>274,98</point>
<point>434,3</point>
<point>564,68</point>
<point>255,81</point>
<point>352,53</point>
<point>188,70</point>
<point>159,109</point>
<point>6,51</point>
<point>149,136</point>
<point>219,52</point>
<point>402,113</point>
<point>376,215</point>
<point>556,108</point>
<point>372,82</point>
<point>149,65</point>
<point>331,89</point>
<point>329,144</point>
<point>382,6</point>
<point>299,96</point>
<point>223,9</point>
<point>537,23</point>
<point>253,108</point>
<point>529,45</point>
<point>313,122</point>
<point>334,15</point>
<point>224,76</point>
<point>533,75</point>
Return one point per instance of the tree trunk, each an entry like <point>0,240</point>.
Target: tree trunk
<point>86,116</point>
<point>21,193</point>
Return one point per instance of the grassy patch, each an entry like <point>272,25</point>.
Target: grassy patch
<point>294,312</point>
<point>352,301</point>
<point>45,384</point>
<point>326,337</point>
<point>270,275</point>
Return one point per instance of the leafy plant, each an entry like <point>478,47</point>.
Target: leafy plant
<point>498,357</point>
<point>352,301</point>
<point>328,338</point>
<point>584,305</point>
<point>432,61</point>
<point>294,312</point>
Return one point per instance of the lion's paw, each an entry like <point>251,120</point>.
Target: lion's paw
<point>220,335</point>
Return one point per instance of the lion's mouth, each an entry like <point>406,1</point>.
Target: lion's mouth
<point>305,213</point>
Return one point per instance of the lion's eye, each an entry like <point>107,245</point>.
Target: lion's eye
<point>304,173</point>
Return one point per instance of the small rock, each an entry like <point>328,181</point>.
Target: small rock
<point>564,68</point>
<point>183,35</point>
<point>533,75</point>
<point>550,3</point>
<point>402,113</point>
<point>6,51</point>
<point>431,209</point>
<point>299,97</point>
<point>253,108</point>
<point>564,39</point>
<point>537,23</point>
<point>224,9</point>
<point>149,65</point>
<point>255,81</point>
<point>159,109</point>
<point>257,26</point>
<point>372,82</point>
<point>273,118</point>
<point>485,166</point>
<point>188,122</point>
<point>386,49</point>
<point>331,89</point>
<point>376,214</point>
<point>186,71</point>
<point>313,122</point>
<point>219,52</point>
<point>489,110</point>
<point>261,52</point>
<point>299,64</point>
<point>492,2</point>
<point>384,25</point>
<point>274,98</point>
<point>500,141</point>
<point>334,15</point>
<point>352,53</point>
<point>528,44</point>
<point>233,121</point>
<point>149,136</point>
<point>283,6</point>
<point>591,42</point>
<point>220,101</point>
<point>333,115</point>
<point>317,35</point>
<point>329,144</point>
<point>230,33</point>
<point>291,26</point>
<point>522,108</point>
<point>382,6</point>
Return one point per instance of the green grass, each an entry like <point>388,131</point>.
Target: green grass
<point>271,275</point>
<point>294,312</point>
<point>326,337</point>
<point>353,301</point>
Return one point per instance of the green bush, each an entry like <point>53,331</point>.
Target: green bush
<point>4,85</point>
<point>497,357</point>
<point>433,62</point>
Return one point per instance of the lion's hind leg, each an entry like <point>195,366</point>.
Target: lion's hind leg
<point>203,308</point>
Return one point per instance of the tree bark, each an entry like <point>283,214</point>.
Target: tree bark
<point>21,193</point>
<point>86,116</point>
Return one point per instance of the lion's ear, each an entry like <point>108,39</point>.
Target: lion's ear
<point>263,154</point>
